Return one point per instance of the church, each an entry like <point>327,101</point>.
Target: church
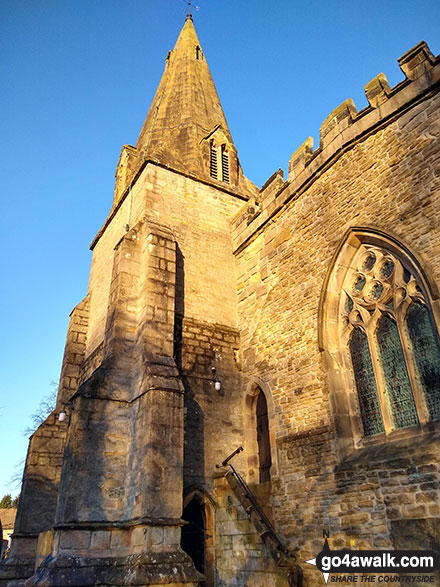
<point>251,368</point>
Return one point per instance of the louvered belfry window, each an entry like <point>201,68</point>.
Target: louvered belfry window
<point>392,341</point>
<point>225,164</point>
<point>219,162</point>
<point>213,161</point>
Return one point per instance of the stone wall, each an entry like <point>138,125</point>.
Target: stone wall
<point>242,559</point>
<point>38,498</point>
<point>74,352</point>
<point>377,170</point>
<point>213,419</point>
<point>199,216</point>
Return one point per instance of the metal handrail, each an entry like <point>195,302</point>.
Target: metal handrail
<point>255,505</point>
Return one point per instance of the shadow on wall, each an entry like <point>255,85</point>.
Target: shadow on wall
<point>194,436</point>
<point>37,505</point>
<point>83,481</point>
<point>194,439</point>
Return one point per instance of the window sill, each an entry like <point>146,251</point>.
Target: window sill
<point>397,444</point>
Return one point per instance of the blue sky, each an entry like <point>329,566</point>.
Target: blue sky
<point>78,77</point>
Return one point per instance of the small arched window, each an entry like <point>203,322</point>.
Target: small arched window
<point>387,327</point>
<point>263,438</point>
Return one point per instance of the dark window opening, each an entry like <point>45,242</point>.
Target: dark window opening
<point>193,534</point>
<point>225,165</point>
<point>263,438</point>
<point>197,52</point>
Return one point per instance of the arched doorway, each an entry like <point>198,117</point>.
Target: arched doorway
<point>193,533</point>
<point>263,438</point>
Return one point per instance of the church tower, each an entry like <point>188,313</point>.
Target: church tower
<point>295,329</point>
<point>159,319</point>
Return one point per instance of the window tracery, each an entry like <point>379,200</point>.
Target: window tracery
<point>388,329</point>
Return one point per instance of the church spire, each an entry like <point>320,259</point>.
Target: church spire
<point>186,128</point>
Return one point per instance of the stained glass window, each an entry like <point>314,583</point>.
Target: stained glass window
<point>426,348</point>
<point>393,342</point>
<point>397,381</point>
<point>348,304</point>
<point>376,291</point>
<point>365,383</point>
<point>369,261</point>
<point>387,268</point>
<point>359,283</point>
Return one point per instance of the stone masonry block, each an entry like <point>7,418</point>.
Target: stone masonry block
<point>414,511</point>
<point>377,90</point>
<point>337,121</point>
<point>300,158</point>
<point>75,540</point>
<point>138,536</point>
<point>100,540</point>
<point>416,61</point>
<point>156,535</point>
<point>120,539</point>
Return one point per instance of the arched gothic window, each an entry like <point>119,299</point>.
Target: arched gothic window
<point>387,327</point>
<point>263,438</point>
<point>260,428</point>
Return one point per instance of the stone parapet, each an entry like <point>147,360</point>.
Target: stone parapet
<point>342,130</point>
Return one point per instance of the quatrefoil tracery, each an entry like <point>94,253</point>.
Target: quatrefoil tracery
<point>377,284</point>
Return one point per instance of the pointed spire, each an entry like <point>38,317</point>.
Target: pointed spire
<point>186,116</point>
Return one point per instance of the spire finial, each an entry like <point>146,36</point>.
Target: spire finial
<point>189,15</point>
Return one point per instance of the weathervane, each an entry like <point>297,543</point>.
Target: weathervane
<point>189,15</point>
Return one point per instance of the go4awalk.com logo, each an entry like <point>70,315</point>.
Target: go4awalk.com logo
<point>416,566</point>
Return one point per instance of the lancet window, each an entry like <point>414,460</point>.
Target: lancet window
<point>389,331</point>
<point>219,162</point>
<point>225,164</point>
<point>213,167</point>
<point>263,438</point>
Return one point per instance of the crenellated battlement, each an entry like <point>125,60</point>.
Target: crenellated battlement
<point>343,128</point>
